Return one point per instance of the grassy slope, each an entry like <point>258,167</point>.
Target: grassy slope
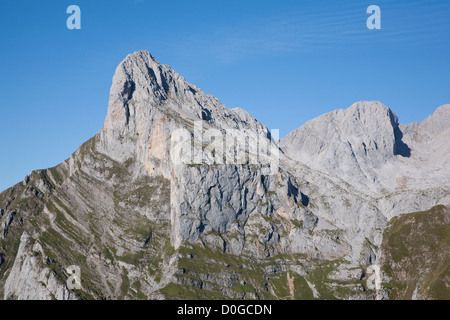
<point>416,250</point>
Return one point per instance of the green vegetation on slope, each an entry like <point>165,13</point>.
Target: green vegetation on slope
<point>205,273</point>
<point>416,254</point>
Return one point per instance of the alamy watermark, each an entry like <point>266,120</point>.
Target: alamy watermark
<point>74,280</point>
<point>227,146</point>
<point>374,21</point>
<point>374,280</point>
<point>74,20</point>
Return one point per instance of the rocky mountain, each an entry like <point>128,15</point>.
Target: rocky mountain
<point>180,197</point>
<point>365,146</point>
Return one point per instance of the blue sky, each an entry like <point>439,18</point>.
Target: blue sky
<point>285,62</point>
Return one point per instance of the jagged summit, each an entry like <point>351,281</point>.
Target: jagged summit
<point>141,54</point>
<point>140,78</point>
<point>141,83</point>
<point>145,97</point>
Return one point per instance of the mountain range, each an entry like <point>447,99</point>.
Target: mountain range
<point>180,197</point>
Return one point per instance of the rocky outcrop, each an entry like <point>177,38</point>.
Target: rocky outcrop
<point>28,280</point>
<point>7,220</point>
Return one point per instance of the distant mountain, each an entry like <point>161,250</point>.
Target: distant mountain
<point>179,197</point>
<point>365,146</point>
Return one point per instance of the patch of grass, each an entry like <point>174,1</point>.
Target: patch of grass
<point>125,283</point>
<point>133,258</point>
<point>297,223</point>
<point>183,291</point>
<point>194,165</point>
<point>302,290</point>
<point>139,294</point>
<point>327,288</point>
<point>280,286</point>
<point>57,176</point>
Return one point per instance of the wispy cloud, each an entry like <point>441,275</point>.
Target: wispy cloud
<point>413,23</point>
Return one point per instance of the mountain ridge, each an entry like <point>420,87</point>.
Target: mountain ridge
<point>143,224</point>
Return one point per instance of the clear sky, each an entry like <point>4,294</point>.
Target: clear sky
<point>285,62</point>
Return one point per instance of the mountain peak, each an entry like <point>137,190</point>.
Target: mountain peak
<point>141,71</point>
<point>139,65</point>
<point>372,105</point>
<point>139,83</point>
<point>146,96</point>
<point>437,123</point>
<point>371,111</point>
<point>352,142</point>
<point>141,54</point>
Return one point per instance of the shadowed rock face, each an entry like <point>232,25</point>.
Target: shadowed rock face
<point>400,148</point>
<point>141,225</point>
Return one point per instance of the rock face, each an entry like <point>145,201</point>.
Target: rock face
<point>350,143</point>
<point>365,146</point>
<point>407,167</point>
<point>29,282</point>
<point>178,196</point>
